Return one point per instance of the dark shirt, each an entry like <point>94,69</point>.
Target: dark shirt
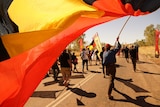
<point>126,51</point>
<point>64,57</point>
<point>133,53</point>
<point>110,55</point>
<point>73,57</point>
<point>101,55</point>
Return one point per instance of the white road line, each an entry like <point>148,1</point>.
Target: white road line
<point>68,92</point>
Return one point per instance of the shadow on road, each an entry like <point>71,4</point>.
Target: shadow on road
<point>140,100</point>
<point>49,83</point>
<point>95,71</point>
<point>79,102</point>
<point>81,92</point>
<point>142,62</point>
<point>45,94</point>
<point>146,72</point>
<point>60,81</point>
<point>128,83</point>
<point>77,76</point>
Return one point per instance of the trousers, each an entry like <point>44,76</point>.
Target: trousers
<point>111,72</point>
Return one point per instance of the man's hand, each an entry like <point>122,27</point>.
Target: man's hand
<point>118,38</point>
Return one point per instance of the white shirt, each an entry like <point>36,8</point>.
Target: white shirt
<point>84,54</point>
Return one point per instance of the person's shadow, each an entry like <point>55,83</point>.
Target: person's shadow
<point>128,82</point>
<point>82,94</point>
<point>140,100</point>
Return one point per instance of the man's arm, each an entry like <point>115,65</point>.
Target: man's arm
<point>118,45</point>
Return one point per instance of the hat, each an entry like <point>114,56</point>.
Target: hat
<point>108,45</point>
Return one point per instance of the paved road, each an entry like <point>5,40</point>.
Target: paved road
<point>133,89</point>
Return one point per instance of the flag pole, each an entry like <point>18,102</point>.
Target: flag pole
<point>123,26</point>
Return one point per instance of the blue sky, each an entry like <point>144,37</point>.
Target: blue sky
<point>133,30</point>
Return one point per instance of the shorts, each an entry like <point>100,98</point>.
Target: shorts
<point>66,71</point>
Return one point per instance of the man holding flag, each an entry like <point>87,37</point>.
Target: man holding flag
<point>109,61</point>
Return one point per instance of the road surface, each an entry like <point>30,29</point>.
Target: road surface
<point>133,89</point>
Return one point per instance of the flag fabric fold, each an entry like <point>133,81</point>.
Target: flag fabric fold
<point>33,64</point>
<point>45,30</point>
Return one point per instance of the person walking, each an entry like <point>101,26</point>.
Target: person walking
<point>133,56</point>
<point>137,53</point>
<point>109,60</point>
<point>126,53</point>
<point>84,57</point>
<point>74,61</point>
<point>97,57</point>
<point>66,67</point>
<point>90,57</point>
<point>101,56</point>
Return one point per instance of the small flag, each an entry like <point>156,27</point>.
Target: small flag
<point>97,42</point>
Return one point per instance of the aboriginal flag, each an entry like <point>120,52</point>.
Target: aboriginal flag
<point>33,33</point>
<point>93,43</point>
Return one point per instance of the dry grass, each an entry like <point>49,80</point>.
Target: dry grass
<point>149,52</point>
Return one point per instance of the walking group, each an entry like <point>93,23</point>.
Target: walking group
<point>131,52</point>
<point>67,62</point>
<point>64,64</point>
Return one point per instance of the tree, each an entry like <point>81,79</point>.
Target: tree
<point>149,34</point>
<point>158,27</point>
<point>141,42</point>
<point>75,44</point>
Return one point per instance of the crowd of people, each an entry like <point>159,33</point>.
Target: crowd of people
<point>67,62</point>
